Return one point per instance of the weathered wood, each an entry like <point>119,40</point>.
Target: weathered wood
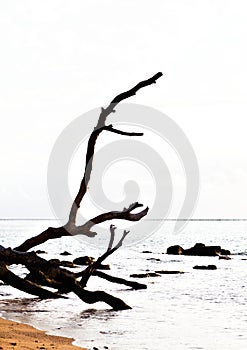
<point>70,228</point>
<point>47,273</point>
<point>105,112</point>
<point>125,214</point>
<point>11,279</point>
<point>96,296</point>
<point>113,279</point>
<point>35,263</point>
<point>49,233</point>
<point>88,272</point>
<point>50,273</point>
<point>85,229</point>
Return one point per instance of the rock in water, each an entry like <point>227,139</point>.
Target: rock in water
<point>225,252</point>
<point>204,267</point>
<point>199,249</point>
<point>84,260</point>
<point>169,272</point>
<point>175,249</point>
<point>144,275</point>
<point>65,253</point>
<point>65,263</point>
<point>202,250</point>
<point>40,252</point>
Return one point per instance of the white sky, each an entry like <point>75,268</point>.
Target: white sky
<point>60,59</point>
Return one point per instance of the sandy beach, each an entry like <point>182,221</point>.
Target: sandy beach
<point>20,336</point>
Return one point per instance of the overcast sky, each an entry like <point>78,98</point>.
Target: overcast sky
<point>60,59</point>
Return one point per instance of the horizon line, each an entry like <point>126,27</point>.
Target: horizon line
<point>172,219</point>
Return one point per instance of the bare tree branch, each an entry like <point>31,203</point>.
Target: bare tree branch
<point>70,228</point>
<point>120,132</point>
<point>93,297</point>
<point>87,273</point>
<point>93,138</point>
<point>50,272</point>
<point>45,273</point>
<point>125,214</point>
<point>132,284</point>
<point>123,96</point>
<point>85,229</point>
<point>10,278</point>
<point>49,233</point>
<point>112,231</point>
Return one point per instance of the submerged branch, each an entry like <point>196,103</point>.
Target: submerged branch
<point>29,287</point>
<point>113,279</point>
<point>51,272</point>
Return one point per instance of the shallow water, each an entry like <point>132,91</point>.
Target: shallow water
<point>194,310</point>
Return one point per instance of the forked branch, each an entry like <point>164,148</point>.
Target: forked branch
<point>105,112</point>
<point>85,229</point>
<point>50,272</point>
<point>125,214</point>
<point>45,273</point>
<point>88,272</point>
<point>70,228</point>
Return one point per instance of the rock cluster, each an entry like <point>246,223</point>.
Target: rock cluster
<point>199,249</point>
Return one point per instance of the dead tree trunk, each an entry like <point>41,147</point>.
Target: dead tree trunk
<point>44,273</point>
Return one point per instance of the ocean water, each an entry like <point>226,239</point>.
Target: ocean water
<point>194,310</point>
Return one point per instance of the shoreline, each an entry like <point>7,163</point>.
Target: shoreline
<point>15,335</point>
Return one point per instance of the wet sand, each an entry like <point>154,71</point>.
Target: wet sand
<point>20,336</point>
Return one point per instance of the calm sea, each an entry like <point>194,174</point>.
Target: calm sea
<point>194,310</point>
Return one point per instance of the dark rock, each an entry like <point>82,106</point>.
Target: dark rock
<point>175,249</point>
<point>67,263</point>
<point>65,253</point>
<point>140,275</point>
<point>40,252</point>
<point>144,275</point>
<point>63,263</point>
<point>146,252</point>
<point>167,272</point>
<point>55,261</point>
<point>204,267</point>
<point>87,260</point>
<point>83,260</point>
<point>199,249</point>
<point>225,252</point>
<point>153,259</point>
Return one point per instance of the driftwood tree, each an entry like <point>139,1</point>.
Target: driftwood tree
<point>43,273</point>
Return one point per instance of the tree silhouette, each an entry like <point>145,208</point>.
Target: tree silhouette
<point>47,273</point>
